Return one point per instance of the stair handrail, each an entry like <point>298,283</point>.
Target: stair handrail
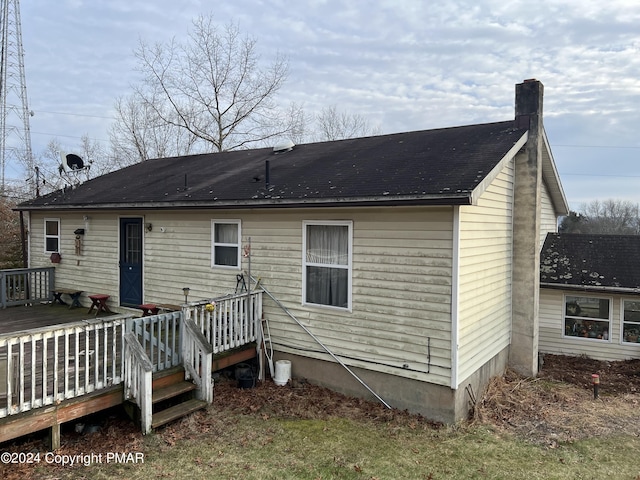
<point>138,379</point>
<point>197,358</point>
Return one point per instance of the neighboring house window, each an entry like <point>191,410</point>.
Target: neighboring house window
<point>327,263</point>
<point>51,235</point>
<point>587,317</point>
<point>631,321</point>
<point>226,243</point>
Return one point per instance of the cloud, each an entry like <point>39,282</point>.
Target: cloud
<point>404,64</point>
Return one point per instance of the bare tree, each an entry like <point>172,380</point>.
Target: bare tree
<point>334,125</point>
<point>609,217</point>
<point>10,239</point>
<point>214,87</point>
<point>140,134</point>
<point>49,163</point>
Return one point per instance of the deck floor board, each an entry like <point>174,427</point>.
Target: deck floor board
<point>20,318</point>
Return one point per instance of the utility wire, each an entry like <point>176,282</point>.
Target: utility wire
<point>597,175</point>
<point>75,114</point>
<point>594,146</point>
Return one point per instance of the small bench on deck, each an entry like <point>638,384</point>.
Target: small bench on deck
<point>99,302</point>
<point>72,292</point>
<point>155,308</point>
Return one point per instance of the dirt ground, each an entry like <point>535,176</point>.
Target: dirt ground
<point>557,406</point>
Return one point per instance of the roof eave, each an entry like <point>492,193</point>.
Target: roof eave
<point>591,288</point>
<point>491,176</point>
<point>463,198</point>
<point>552,179</point>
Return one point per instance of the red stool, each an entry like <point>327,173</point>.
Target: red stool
<point>99,302</point>
<point>148,309</point>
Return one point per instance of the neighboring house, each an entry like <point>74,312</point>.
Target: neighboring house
<point>413,257</point>
<point>590,296</point>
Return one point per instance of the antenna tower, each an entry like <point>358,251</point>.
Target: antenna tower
<point>15,133</point>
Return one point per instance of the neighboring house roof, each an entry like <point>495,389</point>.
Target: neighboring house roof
<point>446,166</point>
<point>591,262</point>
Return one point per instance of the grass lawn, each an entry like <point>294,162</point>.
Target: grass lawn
<point>523,429</point>
<point>252,447</point>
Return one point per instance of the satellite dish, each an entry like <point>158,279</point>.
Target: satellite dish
<point>71,162</point>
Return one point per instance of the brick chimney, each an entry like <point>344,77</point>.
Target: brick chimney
<point>523,354</point>
<point>528,102</point>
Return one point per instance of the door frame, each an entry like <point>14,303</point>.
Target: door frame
<point>121,221</point>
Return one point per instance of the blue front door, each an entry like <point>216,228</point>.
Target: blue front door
<point>130,261</point>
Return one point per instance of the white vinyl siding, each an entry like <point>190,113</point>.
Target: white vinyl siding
<point>400,316</point>
<point>548,217</point>
<point>552,339</point>
<point>95,270</point>
<point>399,321</point>
<point>485,265</point>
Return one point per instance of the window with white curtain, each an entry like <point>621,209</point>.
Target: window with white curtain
<point>225,235</point>
<point>327,263</point>
<point>51,235</point>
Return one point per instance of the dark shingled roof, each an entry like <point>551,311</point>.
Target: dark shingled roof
<point>591,261</point>
<point>440,166</point>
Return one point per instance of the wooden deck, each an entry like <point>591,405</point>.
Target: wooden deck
<point>20,318</point>
<point>59,363</point>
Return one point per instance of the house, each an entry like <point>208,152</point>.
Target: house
<point>590,296</point>
<point>412,258</point>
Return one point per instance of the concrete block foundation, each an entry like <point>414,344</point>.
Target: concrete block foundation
<point>435,402</point>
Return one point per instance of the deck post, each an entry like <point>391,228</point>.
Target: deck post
<point>54,436</point>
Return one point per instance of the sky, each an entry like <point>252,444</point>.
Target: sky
<point>404,65</point>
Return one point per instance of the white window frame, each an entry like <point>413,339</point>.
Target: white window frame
<point>47,236</point>
<point>583,320</point>
<point>349,266</point>
<point>632,322</point>
<point>215,244</point>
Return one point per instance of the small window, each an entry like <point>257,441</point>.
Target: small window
<point>587,317</point>
<point>327,263</point>
<point>631,321</point>
<point>226,237</point>
<point>51,235</point>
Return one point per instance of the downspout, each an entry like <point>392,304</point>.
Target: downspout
<point>319,342</point>
<point>455,300</point>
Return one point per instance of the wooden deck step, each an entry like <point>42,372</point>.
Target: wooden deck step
<point>177,411</point>
<point>173,390</point>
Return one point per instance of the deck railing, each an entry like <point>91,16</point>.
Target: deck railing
<point>159,337</point>
<point>197,359</point>
<point>233,322</point>
<point>138,379</point>
<point>48,365</point>
<point>19,286</point>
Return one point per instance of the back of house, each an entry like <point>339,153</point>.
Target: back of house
<point>409,260</point>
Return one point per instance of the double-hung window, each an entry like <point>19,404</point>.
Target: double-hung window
<point>327,251</point>
<point>631,321</point>
<point>225,243</point>
<point>51,235</point>
<point>587,317</point>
